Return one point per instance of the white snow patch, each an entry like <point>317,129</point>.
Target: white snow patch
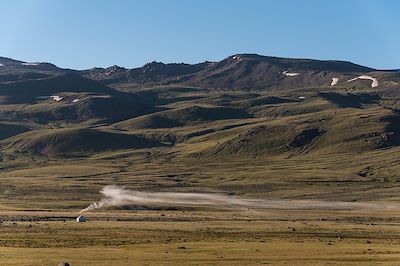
<point>290,74</point>
<point>334,81</point>
<point>29,64</point>
<point>75,100</point>
<point>302,97</point>
<point>237,58</point>
<point>1,65</point>
<point>374,83</point>
<point>56,98</point>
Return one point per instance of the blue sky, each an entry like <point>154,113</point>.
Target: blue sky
<point>86,33</point>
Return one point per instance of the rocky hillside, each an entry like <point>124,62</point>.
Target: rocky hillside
<point>242,71</point>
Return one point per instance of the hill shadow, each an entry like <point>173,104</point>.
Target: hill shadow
<point>350,100</point>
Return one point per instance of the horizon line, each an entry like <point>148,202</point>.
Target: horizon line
<point>201,62</point>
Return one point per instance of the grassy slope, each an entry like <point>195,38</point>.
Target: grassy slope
<point>228,151</point>
<point>355,159</point>
<point>75,141</point>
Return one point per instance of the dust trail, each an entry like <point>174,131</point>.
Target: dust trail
<point>119,196</point>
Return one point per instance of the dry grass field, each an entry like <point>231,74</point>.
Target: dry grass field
<point>271,237</point>
<point>38,214</point>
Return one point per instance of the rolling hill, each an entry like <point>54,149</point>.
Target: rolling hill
<point>14,70</point>
<point>74,142</point>
<point>68,98</point>
<point>182,117</point>
<point>248,124</point>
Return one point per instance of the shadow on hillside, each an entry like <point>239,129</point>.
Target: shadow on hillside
<point>391,137</point>
<point>350,100</point>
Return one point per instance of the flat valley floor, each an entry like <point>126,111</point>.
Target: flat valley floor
<point>39,205</point>
<point>251,237</point>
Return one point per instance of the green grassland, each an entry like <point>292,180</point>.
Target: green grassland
<point>339,144</point>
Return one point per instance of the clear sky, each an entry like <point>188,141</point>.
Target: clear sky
<point>86,33</point>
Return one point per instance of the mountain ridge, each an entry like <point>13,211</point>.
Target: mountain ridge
<point>239,71</point>
<point>5,59</point>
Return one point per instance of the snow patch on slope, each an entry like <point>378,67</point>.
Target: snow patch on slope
<point>290,74</point>
<point>236,58</point>
<point>334,81</point>
<point>29,64</point>
<point>374,83</point>
<point>56,98</point>
<point>1,65</point>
